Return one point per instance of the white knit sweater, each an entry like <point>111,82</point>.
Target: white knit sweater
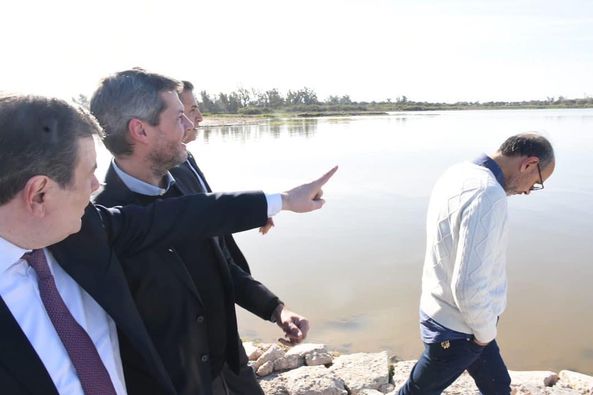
<point>464,279</point>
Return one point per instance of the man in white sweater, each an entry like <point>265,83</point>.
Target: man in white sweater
<point>464,282</point>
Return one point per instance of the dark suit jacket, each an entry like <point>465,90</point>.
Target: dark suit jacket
<point>169,285</point>
<point>234,253</point>
<point>90,257</point>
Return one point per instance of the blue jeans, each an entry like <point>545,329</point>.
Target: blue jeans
<point>439,366</point>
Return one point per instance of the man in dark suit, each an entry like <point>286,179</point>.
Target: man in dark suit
<point>62,288</point>
<point>194,315</point>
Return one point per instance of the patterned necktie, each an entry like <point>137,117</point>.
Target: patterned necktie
<point>93,375</point>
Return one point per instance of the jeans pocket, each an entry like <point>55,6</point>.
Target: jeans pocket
<point>437,352</point>
<point>475,347</point>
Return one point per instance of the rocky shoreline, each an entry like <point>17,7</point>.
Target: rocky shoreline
<point>312,369</point>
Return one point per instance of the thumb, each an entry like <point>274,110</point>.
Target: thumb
<point>317,204</point>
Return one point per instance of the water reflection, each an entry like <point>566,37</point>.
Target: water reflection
<point>302,127</point>
<point>353,323</point>
<point>271,128</point>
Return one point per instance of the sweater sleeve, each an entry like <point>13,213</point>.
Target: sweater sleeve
<point>473,284</point>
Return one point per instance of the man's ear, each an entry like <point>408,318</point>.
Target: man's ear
<point>34,194</point>
<point>136,131</point>
<point>528,163</point>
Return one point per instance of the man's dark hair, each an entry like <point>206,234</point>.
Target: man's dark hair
<point>124,96</point>
<point>39,136</point>
<point>187,86</point>
<point>529,144</point>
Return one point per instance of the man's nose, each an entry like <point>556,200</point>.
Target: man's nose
<point>199,117</point>
<point>188,124</point>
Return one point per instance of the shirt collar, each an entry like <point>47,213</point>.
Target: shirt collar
<point>10,254</point>
<point>136,185</point>
<point>489,163</point>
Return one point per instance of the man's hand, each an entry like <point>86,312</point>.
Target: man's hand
<point>479,343</point>
<point>306,197</point>
<point>295,326</point>
<point>266,228</point>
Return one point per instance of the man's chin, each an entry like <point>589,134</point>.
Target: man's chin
<point>182,157</point>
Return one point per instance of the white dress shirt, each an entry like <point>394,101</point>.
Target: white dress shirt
<point>20,292</point>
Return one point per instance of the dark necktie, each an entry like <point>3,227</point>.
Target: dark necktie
<point>93,375</point>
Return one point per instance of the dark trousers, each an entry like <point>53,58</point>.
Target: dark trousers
<point>442,363</point>
<point>243,383</point>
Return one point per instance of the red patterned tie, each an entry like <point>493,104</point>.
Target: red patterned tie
<point>93,375</point>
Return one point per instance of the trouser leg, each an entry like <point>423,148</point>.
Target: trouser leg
<point>245,382</point>
<point>219,386</point>
<point>439,366</point>
<point>490,373</point>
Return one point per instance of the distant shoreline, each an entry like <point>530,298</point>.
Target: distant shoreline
<point>220,120</point>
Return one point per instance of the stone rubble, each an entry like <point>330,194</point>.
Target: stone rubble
<point>362,370</point>
<point>311,369</point>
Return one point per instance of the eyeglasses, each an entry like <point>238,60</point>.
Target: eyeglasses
<point>538,185</point>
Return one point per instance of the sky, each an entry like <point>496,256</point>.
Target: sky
<point>426,50</point>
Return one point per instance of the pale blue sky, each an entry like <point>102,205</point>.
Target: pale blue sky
<point>433,50</point>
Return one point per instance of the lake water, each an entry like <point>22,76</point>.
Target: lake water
<point>354,268</point>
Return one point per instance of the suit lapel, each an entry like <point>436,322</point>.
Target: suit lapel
<point>120,194</point>
<point>188,184</point>
<point>99,273</point>
<point>194,165</point>
<point>19,358</point>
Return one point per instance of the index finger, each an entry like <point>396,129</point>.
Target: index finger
<point>325,178</point>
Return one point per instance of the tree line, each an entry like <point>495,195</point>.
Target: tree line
<point>251,102</point>
<point>243,101</point>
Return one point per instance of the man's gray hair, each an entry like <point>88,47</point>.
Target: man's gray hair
<point>124,96</point>
<point>39,136</point>
<point>187,86</point>
<point>529,144</point>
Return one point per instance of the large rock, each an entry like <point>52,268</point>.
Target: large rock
<point>306,348</point>
<point>362,371</point>
<point>306,380</point>
<point>253,352</point>
<point>273,385</point>
<point>265,369</point>
<point>401,372</point>
<point>314,380</point>
<point>318,358</point>
<point>288,362</point>
<point>310,354</point>
<point>578,381</point>
<point>271,354</point>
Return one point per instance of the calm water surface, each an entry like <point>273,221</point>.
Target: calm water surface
<point>354,268</point>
